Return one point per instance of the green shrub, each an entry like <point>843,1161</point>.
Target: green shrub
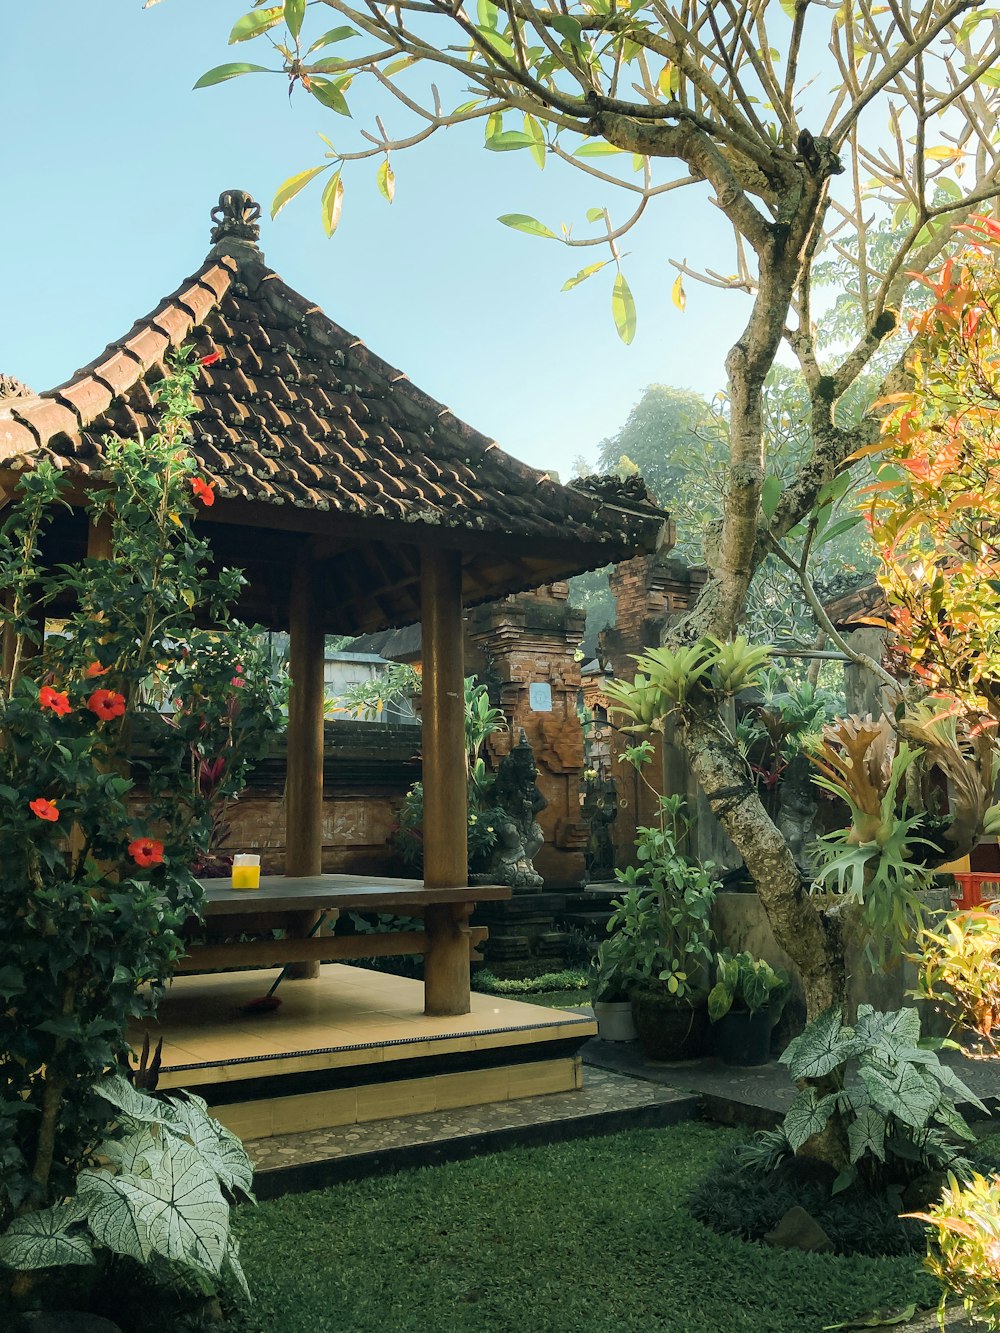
<point>570,978</point>
<point>740,1201</point>
<point>963,1249</point>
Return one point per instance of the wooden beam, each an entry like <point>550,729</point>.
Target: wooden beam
<point>304,781</point>
<point>274,953</point>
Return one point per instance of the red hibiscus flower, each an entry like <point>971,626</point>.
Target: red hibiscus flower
<point>146,852</point>
<point>106,704</point>
<point>211,359</point>
<point>203,491</point>
<point>44,809</point>
<point>55,700</point>
<point>95,669</point>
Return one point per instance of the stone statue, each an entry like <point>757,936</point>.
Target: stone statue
<point>519,837</point>
<point>236,214</point>
<point>797,812</point>
<point>600,810</point>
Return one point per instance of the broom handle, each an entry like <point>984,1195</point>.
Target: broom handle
<point>315,927</point>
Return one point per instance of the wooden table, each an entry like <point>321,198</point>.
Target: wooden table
<point>292,903</point>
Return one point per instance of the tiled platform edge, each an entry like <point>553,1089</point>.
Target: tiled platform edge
<point>607,1104</point>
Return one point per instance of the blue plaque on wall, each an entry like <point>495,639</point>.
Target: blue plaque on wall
<point>540,696</point>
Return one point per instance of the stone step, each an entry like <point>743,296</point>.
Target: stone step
<point>608,1103</point>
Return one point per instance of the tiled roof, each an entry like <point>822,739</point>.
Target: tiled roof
<point>298,411</point>
<point>854,609</point>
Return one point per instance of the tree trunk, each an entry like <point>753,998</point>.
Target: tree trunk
<point>812,943</point>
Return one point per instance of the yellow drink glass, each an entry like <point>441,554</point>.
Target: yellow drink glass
<point>246,872</point>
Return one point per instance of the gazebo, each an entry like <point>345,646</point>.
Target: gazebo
<point>353,502</point>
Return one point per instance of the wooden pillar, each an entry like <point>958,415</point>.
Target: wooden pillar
<point>304,781</point>
<point>446,858</point>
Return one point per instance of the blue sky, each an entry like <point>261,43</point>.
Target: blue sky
<point>112,165</point>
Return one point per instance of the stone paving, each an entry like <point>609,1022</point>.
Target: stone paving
<point>758,1095</point>
<point>607,1101</point>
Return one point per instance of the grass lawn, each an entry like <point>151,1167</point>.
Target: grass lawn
<point>577,1237</point>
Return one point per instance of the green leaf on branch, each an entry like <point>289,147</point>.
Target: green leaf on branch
<point>295,12</point>
<point>839,528</point>
<point>331,93</point>
<point>486,12</point>
<point>497,43</point>
<point>530,226</point>
<point>584,274</point>
<point>770,494</point>
<point>569,28</point>
<point>386,179</point>
<point>534,132</point>
<point>334,35</point>
<point>506,141</point>
<point>256,22</point>
<point>223,72</point>
<point>291,188</point>
<point>623,309</point>
<point>596,148</point>
<point>332,202</point>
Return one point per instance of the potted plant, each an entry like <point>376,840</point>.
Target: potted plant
<point>663,918</point>
<point>744,1005</point>
<point>609,984</point>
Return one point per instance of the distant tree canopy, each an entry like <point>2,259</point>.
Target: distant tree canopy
<point>679,443</point>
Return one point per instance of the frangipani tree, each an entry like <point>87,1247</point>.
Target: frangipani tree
<point>809,123</point>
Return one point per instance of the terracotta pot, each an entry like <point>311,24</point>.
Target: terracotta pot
<point>669,1029</point>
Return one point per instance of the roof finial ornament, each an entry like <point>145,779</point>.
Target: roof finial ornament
<point>236,214</point>
<point>12,388</point>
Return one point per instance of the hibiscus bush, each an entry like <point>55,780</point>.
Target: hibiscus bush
<point>122,731</point>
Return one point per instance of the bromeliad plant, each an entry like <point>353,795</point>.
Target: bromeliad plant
<point>671,679</point>
<point>105,801</point>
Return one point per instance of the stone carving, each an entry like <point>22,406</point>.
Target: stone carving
<point>610,487</point>
<point>519,836</point>
<point>600,810</point>
<point>797,817</point>
<point>236,214</point>
<point>12,388</point>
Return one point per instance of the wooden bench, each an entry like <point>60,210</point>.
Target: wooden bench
<point>447,941</point>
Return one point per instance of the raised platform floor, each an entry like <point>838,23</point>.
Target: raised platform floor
<point>353,1046</point>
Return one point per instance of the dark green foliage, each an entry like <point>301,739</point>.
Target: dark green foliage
<point>742,1202</point>
<point>593,1235</point>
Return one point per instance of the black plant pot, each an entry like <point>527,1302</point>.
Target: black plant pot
<point>667,1028</point>
<point>742,1038</point>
